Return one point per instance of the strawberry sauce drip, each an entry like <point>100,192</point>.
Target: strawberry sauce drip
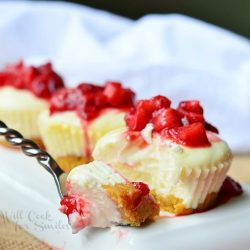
<point>185,125</point>
<point>229,189</point>
<point>42,81</point>
<point>88,100</point>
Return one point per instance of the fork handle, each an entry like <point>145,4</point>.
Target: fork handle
<point>31,149</point>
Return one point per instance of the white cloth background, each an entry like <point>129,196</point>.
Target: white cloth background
<point>172,55</point>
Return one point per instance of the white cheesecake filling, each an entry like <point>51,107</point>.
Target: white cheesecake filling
<point>20,109</point>
<point>87,180</point>
<point>64,134</point>
<point>185,172</point>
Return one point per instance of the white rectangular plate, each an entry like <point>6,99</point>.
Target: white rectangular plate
<point>29,198</point>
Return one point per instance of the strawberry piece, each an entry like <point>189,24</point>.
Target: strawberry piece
<point>153,104</point>
<point>88,99</point>
<point>142,187</point>
<point>45,68</point>
<point>113,91</point>
<point>231,187</point>
<point>73,203</point>
<point>146,105</point>
<point>118,96</point>
<point>100,100</point>
<point>141,190</point>
<point>160,102</point>
<point>193,112</point>
<point>66,99</point>
<point>69,205</point>
<point>89,88</point>
<point>191,106</point>
<point>165,118</point>
<point>45,85</point>
<point>3,78</point>
<point>41,81</point>
<point>193,135</point>
<point>128,98</point>
<point>190,117</point>
<point>136,120</point>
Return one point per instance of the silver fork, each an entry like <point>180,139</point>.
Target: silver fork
<point>31,149</point>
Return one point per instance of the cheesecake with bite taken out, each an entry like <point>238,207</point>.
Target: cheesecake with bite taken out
<point>24,93</point>
<point>79,116</point>
<point>98,196</point>
<point>175,151</point>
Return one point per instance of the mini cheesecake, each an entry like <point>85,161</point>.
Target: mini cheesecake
<point>24,93</point>
<point>175,151</point>
<point>78,117</point>
<point>98,196</point>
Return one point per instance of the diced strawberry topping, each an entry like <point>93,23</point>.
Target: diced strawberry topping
<point>89,88</point>
<point>153,104</point>
<point>192,112</point>
<point>77,209</point>
<point>166,118</point>
<point>118,96</point>
<point>145,105</point>
<point>66,99</point>
<point>144,189</point>
<point>68,205</point>
<point>189,117</point>
<point>193,135</point>
<point>42,81</point>
<point>185,125</point>
<point>141,190</point>
<point>191,106</point>
<point>136,120</point>
<point>73,203</point>
<point>89,99</point>
<point>160,102</point>
<point>3,78</point>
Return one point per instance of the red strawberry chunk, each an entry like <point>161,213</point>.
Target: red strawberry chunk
<point>146,105</point>
<point>141,191</point>
<point>160,102</point>
<point>69,205</point>
<point>136,120</point>
<point>89,88</point>
<point>142,187</point>
<point>190,117</point>
<point>118,96</point>
<point>232,187</point>
<point>89,99</point>
<point>3,78</point>
<point>191,106</point>
<point>165,118</point>
<point>73,203</point>
<point>193,135</point>
<point>153,104</point>
<point>42,80</point>
<point>113,92</point>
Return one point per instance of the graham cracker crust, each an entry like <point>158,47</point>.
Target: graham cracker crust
<point>125,196</point>
<point>175,205</point>
<point>67,163</point>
